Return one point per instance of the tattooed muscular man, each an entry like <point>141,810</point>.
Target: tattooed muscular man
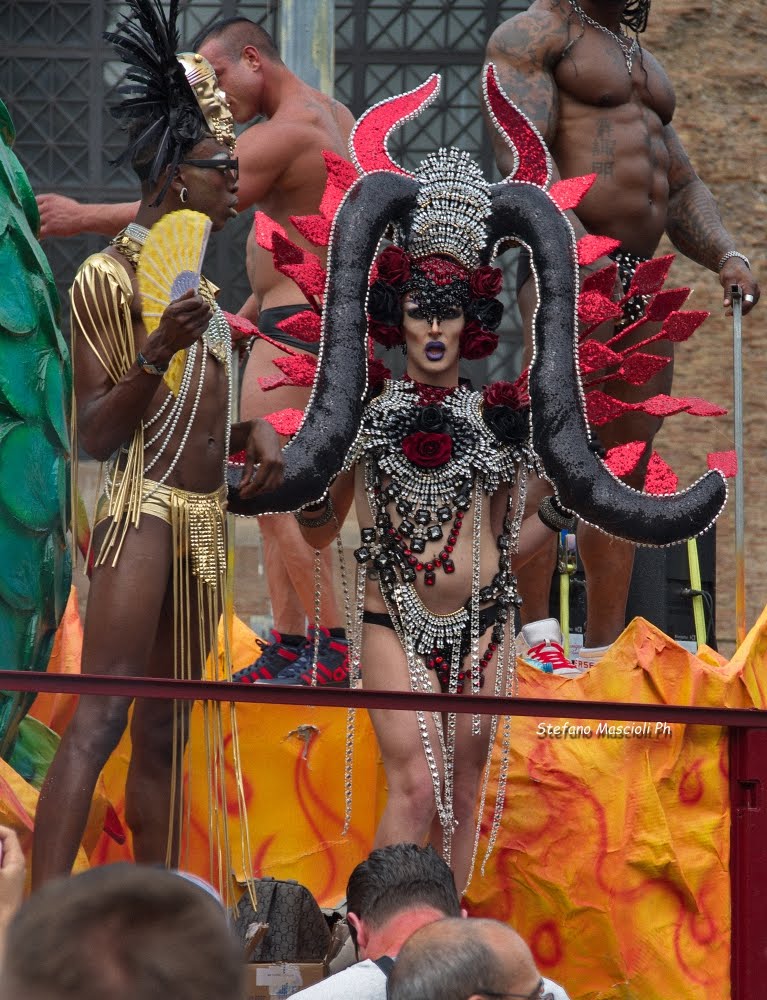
<point>604,105</point>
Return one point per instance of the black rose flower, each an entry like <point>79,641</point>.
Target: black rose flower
<point>384,304</point>
<point>185,124</point>
<point>386,335</point>
<point>394,266</point>
<point>433,420</point>
<point>510,426</point>
<point>487,312</point>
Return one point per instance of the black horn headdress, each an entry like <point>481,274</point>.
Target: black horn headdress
<point>439,211</point>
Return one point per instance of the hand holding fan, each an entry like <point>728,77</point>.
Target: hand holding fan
<point>169,265</point>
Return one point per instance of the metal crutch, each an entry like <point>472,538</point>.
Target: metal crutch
<point>736,294</point>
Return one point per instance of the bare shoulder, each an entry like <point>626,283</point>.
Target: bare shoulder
<point>656,69</point>
<point>343,117</point>
<point>657,88</point>
<point>270,137</point>
<point>539,34</point>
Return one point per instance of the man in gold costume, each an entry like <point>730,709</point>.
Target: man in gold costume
<point>158,580</point>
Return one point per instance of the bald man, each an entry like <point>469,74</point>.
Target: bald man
<point>473,959</point>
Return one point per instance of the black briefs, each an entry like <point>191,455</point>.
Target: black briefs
<point>439,660</point>
<point>267,324</point>
<point>487,616</point>
<point>627,263</point>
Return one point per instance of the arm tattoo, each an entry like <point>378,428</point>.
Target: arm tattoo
<point>520,48</point>
<point>693,222</point>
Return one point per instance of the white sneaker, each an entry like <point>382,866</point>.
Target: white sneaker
<point>540,645</point>
<point>587,658</point>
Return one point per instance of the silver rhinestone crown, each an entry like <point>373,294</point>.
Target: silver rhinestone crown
<point>453,206</point>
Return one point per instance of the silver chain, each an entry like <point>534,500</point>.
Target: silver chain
<point>628,46</point>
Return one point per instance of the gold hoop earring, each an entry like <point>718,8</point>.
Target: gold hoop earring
<point>184,195</point>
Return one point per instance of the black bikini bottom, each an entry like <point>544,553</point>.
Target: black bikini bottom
<point>440,659</point>
<point>267,324</point>
<point>633,308</point>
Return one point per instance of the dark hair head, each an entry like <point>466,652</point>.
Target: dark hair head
<point>234,33</point>
<point>123,931</point>
<point>401,877</point>
<point>635,15</point>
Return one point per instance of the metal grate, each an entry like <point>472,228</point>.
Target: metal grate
<point>58,78</point>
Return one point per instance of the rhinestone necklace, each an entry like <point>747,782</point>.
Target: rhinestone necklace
<point>628,46</point>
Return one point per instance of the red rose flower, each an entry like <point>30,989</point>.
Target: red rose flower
<point>393,266</point>
<point>485,282</point>
<point>427,450</point>
<point>440,271</point>
<point>505,394</point>
<point>388,336</point>
<point>377,372</point>
<point>477,342</point>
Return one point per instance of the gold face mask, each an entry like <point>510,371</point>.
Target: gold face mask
<point>211,98</point>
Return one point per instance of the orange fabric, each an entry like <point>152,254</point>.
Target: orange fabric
<point>612,859</point>
<point>55,710</point>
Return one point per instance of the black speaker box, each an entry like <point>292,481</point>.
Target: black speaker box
<point>659,591</point>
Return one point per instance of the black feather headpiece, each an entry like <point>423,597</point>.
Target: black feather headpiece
<point>159,110</point>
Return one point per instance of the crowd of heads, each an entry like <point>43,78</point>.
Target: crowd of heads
<point>135,932</point>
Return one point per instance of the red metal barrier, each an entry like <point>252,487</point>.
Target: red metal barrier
<point>748,862</point>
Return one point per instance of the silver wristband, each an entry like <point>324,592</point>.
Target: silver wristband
<point>149,367</point>
<point>316,522</point>
<point>733,253</point>
<point>555,517</point>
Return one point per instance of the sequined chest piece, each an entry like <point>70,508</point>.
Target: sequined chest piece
<point>428,458</point>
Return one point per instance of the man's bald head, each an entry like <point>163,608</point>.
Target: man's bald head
<point>456,959</point>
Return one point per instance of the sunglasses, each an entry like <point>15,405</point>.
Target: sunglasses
<point>233,166</point>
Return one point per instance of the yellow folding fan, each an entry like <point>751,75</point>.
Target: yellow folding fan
<point>169,265</point>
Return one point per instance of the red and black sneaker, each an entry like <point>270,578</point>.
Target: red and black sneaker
<point>332,663</point>
<point>277,655</point>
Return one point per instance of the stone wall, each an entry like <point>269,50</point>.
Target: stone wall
<point>715,54</point>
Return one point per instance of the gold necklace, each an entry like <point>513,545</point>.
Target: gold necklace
<point>128,246</point>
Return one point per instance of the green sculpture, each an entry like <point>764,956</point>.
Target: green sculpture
<point>35,389</point>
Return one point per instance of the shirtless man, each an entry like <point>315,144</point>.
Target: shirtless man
<point>604,105</point>
<point>283,173</point>
<point>159,575</point>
